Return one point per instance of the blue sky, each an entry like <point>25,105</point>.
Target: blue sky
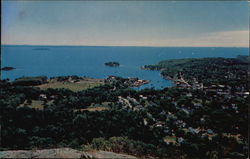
<point>126,23</point>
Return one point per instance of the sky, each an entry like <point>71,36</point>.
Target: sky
<point>126,23</point>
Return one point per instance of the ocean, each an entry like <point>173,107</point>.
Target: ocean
<point>89,61</point>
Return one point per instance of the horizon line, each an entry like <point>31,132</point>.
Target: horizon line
<point>121,46</point>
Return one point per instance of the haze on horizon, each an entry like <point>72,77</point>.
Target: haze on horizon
<point>126,23</point>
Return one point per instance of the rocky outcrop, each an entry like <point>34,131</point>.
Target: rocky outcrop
<point>63,153</point>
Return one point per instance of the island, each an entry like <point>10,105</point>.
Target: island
<point>7,68</point>
<point>112,64</point>
<point>41,49</point>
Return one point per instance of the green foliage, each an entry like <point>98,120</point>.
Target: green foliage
<point>27,81</point>
<point>123,145</point>
<point>236,155</point>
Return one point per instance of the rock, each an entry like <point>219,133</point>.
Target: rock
<point>108,155</point>
<point>15,154</point>
<point>46,153</point>
<point>62,153</point>
<point>86,155</point>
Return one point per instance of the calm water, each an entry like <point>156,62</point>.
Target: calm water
<point>89,61</point>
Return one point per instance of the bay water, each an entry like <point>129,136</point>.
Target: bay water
<point>89,61</point>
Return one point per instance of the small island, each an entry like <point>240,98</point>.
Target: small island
<point>112,64</point>
<point>7,68</point>
<point>41,49</point>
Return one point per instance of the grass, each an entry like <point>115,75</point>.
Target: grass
<point>78,86</point>
<point>36,104</point>
<point>96,107</point>
<point>237,137</point>
<point>93,109</point>
<point>103,104</point>
<point>170,139</point>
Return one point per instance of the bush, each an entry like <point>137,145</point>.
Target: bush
<point>123,145</point>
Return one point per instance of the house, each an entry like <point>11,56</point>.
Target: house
<point>145,122</point>
<point>138,107</point>
<point>180,139</point>
<point>189,94</point>
<point>43,96</point>
<point>193,131</point>
<point>197,105</point>
<point>143,97</point>
<point>133,100</point>
<point>221,86</point>
<point>180,124</point>
<point>187,111</point>
<point>159,124</point>
<point>209,131</point>
<point>223,93</point>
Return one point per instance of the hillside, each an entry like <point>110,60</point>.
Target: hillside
<point>204,115</point>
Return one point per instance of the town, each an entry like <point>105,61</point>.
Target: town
<point>204,114</point>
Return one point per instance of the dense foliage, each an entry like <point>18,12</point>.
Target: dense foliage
<point>28,81</point>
